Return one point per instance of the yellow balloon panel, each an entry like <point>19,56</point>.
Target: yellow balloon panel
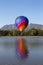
<point>22,28</point>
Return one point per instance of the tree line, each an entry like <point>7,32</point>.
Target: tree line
<point>30,32</point>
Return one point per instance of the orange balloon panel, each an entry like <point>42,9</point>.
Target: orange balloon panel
<point>21,28</point>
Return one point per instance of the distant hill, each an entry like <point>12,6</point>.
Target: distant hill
<point>36,26</point>
<point>31,25</point>
<point>9,27</point>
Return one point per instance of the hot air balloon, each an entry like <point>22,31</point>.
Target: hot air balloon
<point>21,23</point>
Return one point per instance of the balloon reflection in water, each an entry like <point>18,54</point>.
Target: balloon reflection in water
<point>21,48</point>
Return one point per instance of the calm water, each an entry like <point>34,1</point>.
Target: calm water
<point>8,51</point>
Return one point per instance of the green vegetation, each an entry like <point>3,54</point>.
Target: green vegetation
<point>31,32</point>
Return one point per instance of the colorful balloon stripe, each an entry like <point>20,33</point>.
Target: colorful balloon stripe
<point>22,23</point>
<point>22,26</point>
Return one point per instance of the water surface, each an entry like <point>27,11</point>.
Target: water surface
<point>8,51</point>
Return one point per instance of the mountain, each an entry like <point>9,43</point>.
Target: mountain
<point>9,27</point>
<point>31,25</point>
<point>36,26</point>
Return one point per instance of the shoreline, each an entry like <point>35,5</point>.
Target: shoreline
<point>21,36</point>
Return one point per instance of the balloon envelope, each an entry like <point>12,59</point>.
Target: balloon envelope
<point>21,23</point>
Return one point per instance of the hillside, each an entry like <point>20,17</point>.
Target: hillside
<point>31,25</point>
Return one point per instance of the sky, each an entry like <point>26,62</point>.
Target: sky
<point>11,9</point>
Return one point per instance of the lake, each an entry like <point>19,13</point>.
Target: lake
<point>8,51</point>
